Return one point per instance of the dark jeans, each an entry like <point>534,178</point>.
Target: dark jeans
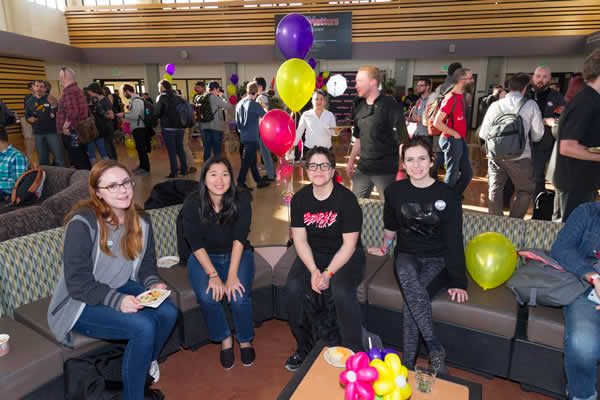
<point>212,141</point>
<point>241,308</point>
<point>141,142</point>
<point>458,166</point>
<point>146,331</point>
<point>568,201</point>
<point>343,287</point>
<point>174,142</point>
<point>46,143</point>
<point>362,184</point>
<point>249,163</point>
<point>540,157</point>
<point>109,145</point>
<point>77,153</point>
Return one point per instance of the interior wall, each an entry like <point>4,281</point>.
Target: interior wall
<point>30,19</point>
<point>556,63</point>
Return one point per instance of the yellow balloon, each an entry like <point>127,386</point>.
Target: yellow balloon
<point>130,144</point>
<point>295,82</point>
<point>491,259</point>
<point>231,90</point>
<point>325,74</point>
<point>168,77</point>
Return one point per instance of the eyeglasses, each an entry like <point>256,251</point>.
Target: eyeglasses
<point>116,187</point>
<point>322,166</point>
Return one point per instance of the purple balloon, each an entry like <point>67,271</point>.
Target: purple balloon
<point>390,351</point>
<point>375,354</point>
<point>294,36</point>
<point>312,63</point>
<point>234,79</point>
<point>170,69</point>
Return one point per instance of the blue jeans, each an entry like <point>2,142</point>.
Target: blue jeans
<point>146,331</point>
<point>212,141</point>
<point>456,154</point>
<point>265,153</point>
<point>174,142</point>
<point>241,308</point>
<point>582,347</point>
<point>46,143</point>
<point>99,144</point>
<point>248,163</point>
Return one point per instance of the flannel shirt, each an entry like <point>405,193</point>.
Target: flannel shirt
<point>72,107</point>
<point>12,165</point>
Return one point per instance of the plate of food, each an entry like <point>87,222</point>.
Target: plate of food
<point>167,261</point>
<point>153,297</point>
<point>594,149</point>
<point>337,356</point>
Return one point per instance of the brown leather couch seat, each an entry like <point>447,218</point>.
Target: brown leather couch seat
<point>545,325</point>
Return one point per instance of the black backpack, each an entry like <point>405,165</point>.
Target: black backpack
<point>506,136</point>
<point>149,117</point>
<point>184,112</point>
<point>543,206</point>
<point>204,111</point>
<point>184,250</point>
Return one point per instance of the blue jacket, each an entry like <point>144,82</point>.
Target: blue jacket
<point>577,247</point>
<point>247,114</point>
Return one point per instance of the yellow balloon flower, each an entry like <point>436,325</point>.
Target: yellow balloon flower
<point>295,83</point>
<point>392,383</point>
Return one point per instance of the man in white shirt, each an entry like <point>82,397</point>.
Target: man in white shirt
<point>317,124</point>
<point>519,169</point>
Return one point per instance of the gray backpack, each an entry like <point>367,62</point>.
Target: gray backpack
<point>506,136</point>
<point>536,282</point>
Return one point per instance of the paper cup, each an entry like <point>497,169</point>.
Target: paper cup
<point>4,346</point>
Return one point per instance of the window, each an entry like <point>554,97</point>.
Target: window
<point>55,4</point>
<point>108,2</point>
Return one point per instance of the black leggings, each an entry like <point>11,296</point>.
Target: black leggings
<point>414,275</point>
<point>343,287</point>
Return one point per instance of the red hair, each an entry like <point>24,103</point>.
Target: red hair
<point>575,86</point>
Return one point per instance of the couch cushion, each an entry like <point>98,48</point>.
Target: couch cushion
<point>475,223</point>
<point>283,266</point>
<point>62,202</point>
<point>177,278</point>
<point>32,361</point>
<point>545,325</point>
<point>373,264</point>
<point>29,268</point>
<point>272,254</point>
<point>35,316</point>
<point>493,311</point>
<point>25,221</point>
<point>57,179</point>
<point>540,234</point>
<point>165,230</point>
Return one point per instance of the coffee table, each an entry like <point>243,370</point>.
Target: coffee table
<point>316,379</point>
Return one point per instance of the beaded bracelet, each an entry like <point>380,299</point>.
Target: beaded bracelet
<point>213,274</point>
<point>328,271</point>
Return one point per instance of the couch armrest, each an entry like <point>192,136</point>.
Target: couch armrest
<point>61,203</point>
<point>26,220</point>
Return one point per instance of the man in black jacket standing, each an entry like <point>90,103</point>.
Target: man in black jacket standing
<point>549,101</point>
<point>379,130</point>
<point>165,109</point>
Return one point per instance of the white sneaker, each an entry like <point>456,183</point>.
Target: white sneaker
<point>154,371</point>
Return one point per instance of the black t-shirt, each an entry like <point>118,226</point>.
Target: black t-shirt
<point>428,222</point>
<point>580,121</point>
<point>381,129</point>
<point>326,220</point>
<point>549,102</point>
<point>43,111</point>
<point>213,237</point>
<point>99,109</point>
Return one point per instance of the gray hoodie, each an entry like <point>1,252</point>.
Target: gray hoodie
<point>216,105</point>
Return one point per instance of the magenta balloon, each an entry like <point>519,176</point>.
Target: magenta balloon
<point>312,63</point>
<point>294,36</point>
<point>170,69</point>
<point>278,132</point>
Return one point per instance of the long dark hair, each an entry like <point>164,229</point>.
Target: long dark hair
<point>230,204</point>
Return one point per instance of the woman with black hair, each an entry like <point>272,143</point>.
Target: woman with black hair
<point>326,226</point>
<point>427,217</point>
<point>216,222</point>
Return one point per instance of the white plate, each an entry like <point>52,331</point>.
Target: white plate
<point>167,261</point>
<point>157,301</point>
<point>327,357</point>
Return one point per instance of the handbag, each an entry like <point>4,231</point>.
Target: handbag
<point>86,129</point>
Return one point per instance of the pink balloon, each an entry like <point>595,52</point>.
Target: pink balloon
<point>278,131</point>
<point>233,99</point>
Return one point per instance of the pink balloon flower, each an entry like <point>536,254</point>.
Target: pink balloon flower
<point>359,377</point>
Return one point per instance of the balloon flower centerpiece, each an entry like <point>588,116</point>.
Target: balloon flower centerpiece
<point>358,378</point>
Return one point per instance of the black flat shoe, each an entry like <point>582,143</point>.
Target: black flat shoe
<point>171,176</point>
<point>248,356</point>
<point>227,358</point>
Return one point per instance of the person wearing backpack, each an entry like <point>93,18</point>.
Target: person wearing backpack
<point>13,164</point>
<point>212,130</point>
<point>576,249</point>
<point>264,100</point>
<point>136,116</point>
<point>451,121</point>
<point>171,125</point>
<point>508,128</point>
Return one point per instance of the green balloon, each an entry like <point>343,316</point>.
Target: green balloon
<point>491,259</point>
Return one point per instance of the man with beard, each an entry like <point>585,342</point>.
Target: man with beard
<point>549,101</point>
<point>451,121</point>
<point>423,90</point>
<point>135,117</point>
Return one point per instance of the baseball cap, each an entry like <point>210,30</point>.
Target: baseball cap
<point>214,85</point>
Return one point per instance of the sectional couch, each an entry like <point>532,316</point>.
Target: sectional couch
<point>490,334</point>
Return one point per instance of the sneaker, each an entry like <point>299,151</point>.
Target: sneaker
<point>154,371</point>
<point>171,176</point>
<point>227,358</point>
<point>262,184</point>
<point>244,186</point>
<point>267,179</point>
<point>437,360</point>
<point>294,362</point>
<point>248,356</point>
